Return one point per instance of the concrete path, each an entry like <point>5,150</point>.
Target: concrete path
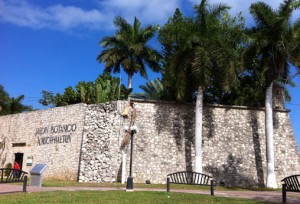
<point>269,196</point>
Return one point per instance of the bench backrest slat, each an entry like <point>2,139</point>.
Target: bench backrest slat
<point>10,175</point>
<point>185,177</point>
<point>295,183</point>
<point>181,178</point>
<point>203,179</point>
<point>292,183</point>
<point>177,177</point>
<point>200,178</point>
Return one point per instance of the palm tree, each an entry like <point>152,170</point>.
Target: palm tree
<point>129,48</point>
<point>272,47</point>
<point>216,53</point>
<point>211,44</point>
<point>296,48</point>
<point>11,105</point>
<point>152,90</point>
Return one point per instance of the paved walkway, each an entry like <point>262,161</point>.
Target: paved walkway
<point>270,196</point>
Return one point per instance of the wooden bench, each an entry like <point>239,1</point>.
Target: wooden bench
<point>12,176</point>
<point>192,178</point>
<point>291,184</point>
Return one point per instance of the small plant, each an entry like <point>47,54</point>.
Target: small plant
<point>8,167</point>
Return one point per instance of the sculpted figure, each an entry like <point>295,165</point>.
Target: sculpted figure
<point>129,114</point>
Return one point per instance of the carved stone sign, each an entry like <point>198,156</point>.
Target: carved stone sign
<point>55,134</point>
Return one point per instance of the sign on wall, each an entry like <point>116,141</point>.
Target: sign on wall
<point>55,134</point>
<point>29,161</point>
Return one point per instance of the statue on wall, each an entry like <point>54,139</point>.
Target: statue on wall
<point>129,114</point>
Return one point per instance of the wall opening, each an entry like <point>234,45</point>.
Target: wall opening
<point>19,159</point>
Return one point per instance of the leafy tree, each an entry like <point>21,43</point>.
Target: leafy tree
<point>205,53</point>
<point>248,91</point>
<point>4,100</point>
<point>47,98</point>
<point>273,49</point>
<point>70,96</point>
<point>129,48</point>
<point>172,36</point>
<point>11,105</point>
<point>105,88</point>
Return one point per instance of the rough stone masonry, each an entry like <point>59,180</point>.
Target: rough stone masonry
<point>83,142</point>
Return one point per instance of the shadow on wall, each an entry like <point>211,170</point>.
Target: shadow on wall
<point>119,174</point>
<point>275,120</point>
<point>2,148</point>
<point>189,142</point>
<point>176,119</point>
<point>257,149</point>
<point>230,174</point>
<point>208,123</point>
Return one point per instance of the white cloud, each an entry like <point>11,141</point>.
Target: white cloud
<point>66,17</point>
<point>244,5</point>
<point>23,13</point>
<point>70,16</point>
<point>151,12</point>
<point>240,5</point>
<point>60,17</point>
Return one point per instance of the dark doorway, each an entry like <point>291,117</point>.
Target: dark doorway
<point>19,159</point>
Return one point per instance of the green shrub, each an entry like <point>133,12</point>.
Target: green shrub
<point>7,171</point>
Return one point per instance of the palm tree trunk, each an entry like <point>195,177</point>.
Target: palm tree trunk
<point>198,130</point>
<point>130,81</point>
<point>271,178</point>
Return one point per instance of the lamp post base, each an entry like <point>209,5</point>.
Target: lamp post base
<point>129,186</point>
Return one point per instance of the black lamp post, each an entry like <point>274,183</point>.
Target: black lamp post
<point>130,178</point>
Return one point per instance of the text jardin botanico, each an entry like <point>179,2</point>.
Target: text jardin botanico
<point>59,134</point>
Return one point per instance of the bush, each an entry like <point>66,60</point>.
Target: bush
<point>7,171</point>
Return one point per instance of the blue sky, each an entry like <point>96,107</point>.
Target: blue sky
<point>52,44</point>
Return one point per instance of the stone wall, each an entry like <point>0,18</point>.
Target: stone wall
<point>100,158</point>
<point>51,137</point>
<point>233,142</point>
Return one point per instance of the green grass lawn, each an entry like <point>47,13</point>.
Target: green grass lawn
<point>64,183</point>
<point>116,197</point>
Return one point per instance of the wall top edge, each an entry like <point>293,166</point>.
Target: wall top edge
<point>159,102</point>
<point>207,105</point>
<point>38,110</point>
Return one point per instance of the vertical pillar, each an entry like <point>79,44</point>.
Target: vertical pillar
<point>212,188</point>
<point>25,184</point>
<point>130,178</point>
<point>168,184</point>
<point>283,193</point>
<point>124,157</point>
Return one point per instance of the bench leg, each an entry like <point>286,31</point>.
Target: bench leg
<point>25,184</point>
<point>283,193</point>
<point>212,188</point>
<point>168,184</point>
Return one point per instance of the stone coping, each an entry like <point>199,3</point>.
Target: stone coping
<point>207,105</point>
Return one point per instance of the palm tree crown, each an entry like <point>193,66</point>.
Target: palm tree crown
<point>129,48</point>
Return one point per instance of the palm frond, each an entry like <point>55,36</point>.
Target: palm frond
<point>263,14</point>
